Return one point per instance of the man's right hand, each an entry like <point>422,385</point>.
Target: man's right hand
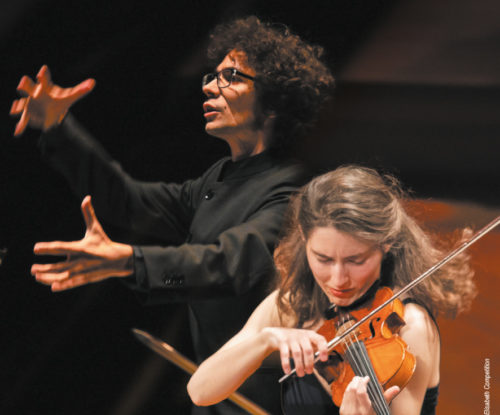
<point>44,104</point>
<point>93,258</point>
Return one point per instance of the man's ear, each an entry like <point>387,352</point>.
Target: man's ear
<point>386,248</point>
<point>268,123</point>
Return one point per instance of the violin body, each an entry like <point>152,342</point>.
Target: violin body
<point>377,338</point>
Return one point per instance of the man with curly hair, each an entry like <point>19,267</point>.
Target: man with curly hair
<point>218,231</point>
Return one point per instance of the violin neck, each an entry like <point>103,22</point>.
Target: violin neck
<point>357,356</point>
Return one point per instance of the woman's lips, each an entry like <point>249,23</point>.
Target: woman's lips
<point>341,293</point>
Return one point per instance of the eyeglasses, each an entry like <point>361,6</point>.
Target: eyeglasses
<point>224,77</point>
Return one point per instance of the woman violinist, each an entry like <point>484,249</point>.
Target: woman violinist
<point>348,235</point>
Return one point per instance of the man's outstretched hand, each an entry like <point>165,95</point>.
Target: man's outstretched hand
<point>91,259</point>
<point>44,104</point>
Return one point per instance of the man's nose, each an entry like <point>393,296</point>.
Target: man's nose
<point>211,89</point>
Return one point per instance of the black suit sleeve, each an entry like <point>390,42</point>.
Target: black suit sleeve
<point>236,262</point>
<point>148,209</point>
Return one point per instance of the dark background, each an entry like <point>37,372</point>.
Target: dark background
<point>418,96</point>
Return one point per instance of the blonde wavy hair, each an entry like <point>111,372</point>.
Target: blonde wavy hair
<point>361,202</point>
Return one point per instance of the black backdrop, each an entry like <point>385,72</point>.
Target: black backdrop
<point>73,352</point>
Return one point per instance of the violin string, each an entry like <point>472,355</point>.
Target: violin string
<point>374,385</point>
<point>361,364</point>
<point>373,389</point>
<point>357,362</point>
<point>358,365</point>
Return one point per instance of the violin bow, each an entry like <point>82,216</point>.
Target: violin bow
<point>168,352</point>
<point>337,339</point>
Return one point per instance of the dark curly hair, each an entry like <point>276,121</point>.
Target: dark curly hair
<point>291,82</point>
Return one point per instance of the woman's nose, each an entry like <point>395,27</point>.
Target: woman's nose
<point>338,275</point>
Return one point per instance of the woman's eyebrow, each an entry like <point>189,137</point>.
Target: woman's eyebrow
<point>361,254</point>
<point>354,256</point>
<point>319,254</point>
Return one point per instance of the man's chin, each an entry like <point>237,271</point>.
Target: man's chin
<point>210,129</point>
<point>214,131</point>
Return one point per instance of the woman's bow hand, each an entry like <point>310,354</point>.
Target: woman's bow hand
<point>298,345</point>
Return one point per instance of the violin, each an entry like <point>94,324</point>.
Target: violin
<point>373,349</point>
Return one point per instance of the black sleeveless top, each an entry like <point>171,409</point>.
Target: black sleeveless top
<point>306,396</point>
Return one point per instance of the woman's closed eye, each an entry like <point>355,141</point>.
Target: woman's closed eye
<point>323,259</point>
<point>359,262</point>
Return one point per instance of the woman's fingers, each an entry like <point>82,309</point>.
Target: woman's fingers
<point>307,355</point>
<point>298,357</point>
<point>391,393</point>
<point>362,393</point>
<point>299,346</point>
<point>285,357</point>
<point>321,346</point>
<point>355,400</point>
